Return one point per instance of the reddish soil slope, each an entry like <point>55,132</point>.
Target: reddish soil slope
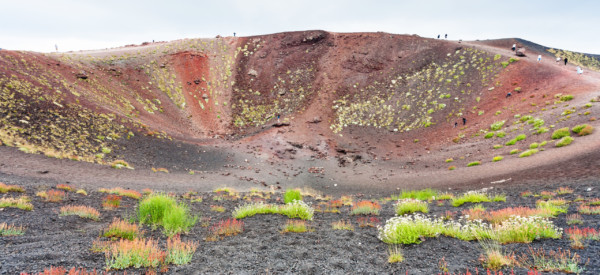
<point>300,105</point>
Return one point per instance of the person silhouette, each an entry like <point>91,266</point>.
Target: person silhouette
<point>438,36</point>
<point>464,121</point>
<point>446,36</point>
<point>566,61</point>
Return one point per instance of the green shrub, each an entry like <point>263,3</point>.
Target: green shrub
<point>409,229</point>
<point>489,135</point>
<point>291,195</point>
<point>504,64</point>
<point>409,206</point>
<point>160,209</point>
<point>472,197</point>
<point>514,151</point>
<point>534,145</point>
<point>521,137</point>
<point>564,141</point>
<point>578,128</point>
<point>497,56</point>
<point>497,146</point>
<point>424,194</point>
<point>500,134</point>
<point>449,160</point>
<point>511,142</point>
<point>474,163</point>
<point>586,130</point>
<point>511,60</point>
<point>497,158</point>
<point>560,133</point>
<point>497,125</point>
<point>528,153</point>
<point>566,97</point>
<point>542,130</point>
<point>294,209</point>
<point>543,143</point>
<point>525,118</point>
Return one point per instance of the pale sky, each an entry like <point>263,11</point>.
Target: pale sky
<point>39,25</point>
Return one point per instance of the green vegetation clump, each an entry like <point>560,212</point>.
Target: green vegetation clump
<point>291,195</point>
<point>542,130</point>
<point>500,134</point>
<point>511,142</point>
<point>528,153</point>
<point>474,163</point>
<point>515,151</point>
<point>504,64</point>
<point>564,141</point>
<point>424,194</point>
<point>472,197</point>
<point>497,158</point>
<point>520,137</point>
<point>583,129</point>
<point>566,97</point>
<point>497,146</point>
<point>409,206</point>
<point>489,135</point>
<point>560,133</point>
<point>534,145</point>
<point>497,125</point>
<point>163,210</point>
<point>449,160</point>
<point>294,209</point>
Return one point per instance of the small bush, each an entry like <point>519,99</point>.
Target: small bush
<point>497,146</point>
<point>122,192</point>
<point>396,255</point>
<point>22,203</point>
<point>521,137</point>
<point>291,195</point>
<point>489,135</point>
<point>10,188</point>
<point>409,206</point>
<point>179,252</point>
<point>474,163</point>
<point>111,201</point>
<point>55,196</point>
<point>409,229</point>
<point>81,211</point>
<point>137,253</point>
<point>576,129</point>
<point>65,187</point>
<point>10,230</point>
<point>342,225</point>
<point>452,167</point>
<point>365,208</point>
<point>229,227</point>
<point>122,229</point>
<point>160,209</point>
<point>560,133</point>
<point>566,97</point>
<point>586,130</point>
<point>472,197</point>
<point>497,158</point>
<point>564,141</point>
<point>424,194</point>
<point>515,151</point>
<point>497,125</point>
<point>500,134</point>
<point>511,142</point>
<point>534,145</point>
<point>528,153</point>
<point>449,160</point>
<point>542,130</point>
<point>294,226</point>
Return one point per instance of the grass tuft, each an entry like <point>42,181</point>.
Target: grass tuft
<point>560,133</point>
<point>7,230</point>
<point>342,225</point>
<point>10,188</point>
<point>365,208</point>
<point>160,209</point>
<point>22,203</point>
<point>528,153</point>
<point>122,229</point>
<point>409,206</point>
<point>472,197</point>
<point>81,211</point>
<point>474,163</point>
<point>291,195</point>
<point>294,226</point>
<point>564,141</point>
